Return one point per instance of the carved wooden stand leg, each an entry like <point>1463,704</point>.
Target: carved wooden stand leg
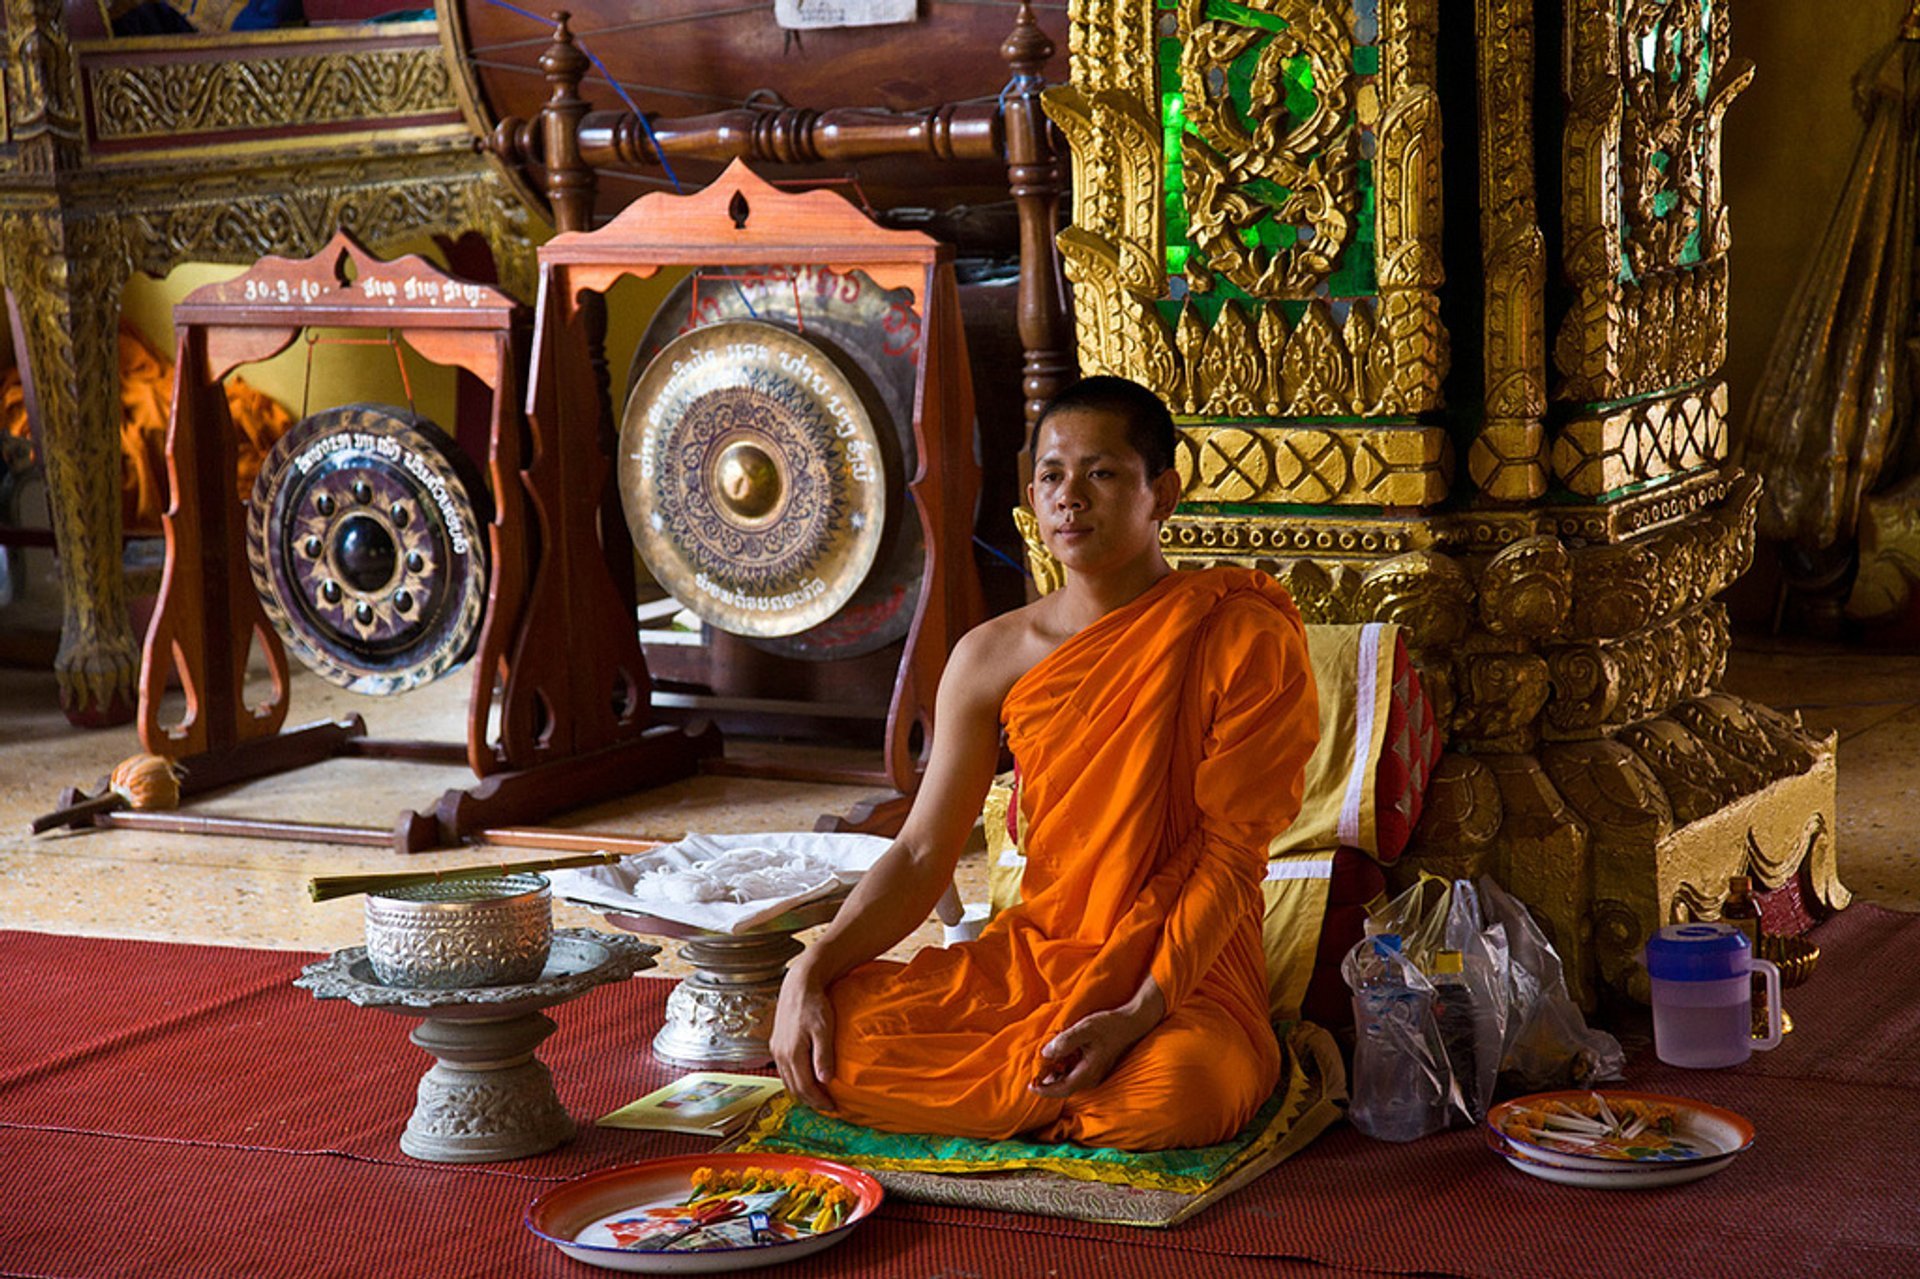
<point>64,278</point>
<point>486,1097</point>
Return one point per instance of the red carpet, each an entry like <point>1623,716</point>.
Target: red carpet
<point>183,1111</point>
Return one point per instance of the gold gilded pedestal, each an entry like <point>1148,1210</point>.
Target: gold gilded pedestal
<point>1260,233</point>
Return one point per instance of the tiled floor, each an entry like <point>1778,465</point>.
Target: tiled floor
<point>248,892</point>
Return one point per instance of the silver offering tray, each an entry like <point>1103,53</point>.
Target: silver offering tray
<point>487,1097</point>
<point>721,1017</point>
<point>581,959</point>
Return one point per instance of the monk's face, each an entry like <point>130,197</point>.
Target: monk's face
<point>1098,508</point>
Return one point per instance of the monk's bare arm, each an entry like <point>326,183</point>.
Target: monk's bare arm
<point>898,892</point>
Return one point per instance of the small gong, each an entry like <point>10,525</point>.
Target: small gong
<point>368,549</point>
<point>754,482</point>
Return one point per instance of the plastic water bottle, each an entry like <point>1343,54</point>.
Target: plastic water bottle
<point>1456,1018</point>
<point>1397,1094</point>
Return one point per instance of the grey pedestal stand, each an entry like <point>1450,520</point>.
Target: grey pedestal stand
<point>721,1017</point>
<point>487,1097</point>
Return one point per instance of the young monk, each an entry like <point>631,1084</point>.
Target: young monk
<point>1161,724</point>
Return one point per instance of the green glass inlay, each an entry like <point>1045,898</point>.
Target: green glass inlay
<point>1302,101</point>
<point>1663,202</point>
<point>1353,273</point>
<point>1690,251</point>
<point>1229,11</point>
<point>1703,77</point>
<point>1661,160</point>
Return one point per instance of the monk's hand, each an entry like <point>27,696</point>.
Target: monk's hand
<point>1086,1052</point>
<point>803,1039</point>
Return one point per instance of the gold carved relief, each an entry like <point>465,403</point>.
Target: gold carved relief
<point>1317,466</point>
<point>157,100</point>
<point>1606,683</point>
<point>1526,591</point>
<point>1622,588</point>
<point>1647,86</point>
<point>42,87</point>
<point>1251,160</point>
<point>65,275</point>
<point>1230,167</point>
<point>1508,456</point>
<point>1596,454</point>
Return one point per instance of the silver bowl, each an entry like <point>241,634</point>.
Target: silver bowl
<point>461,932</point>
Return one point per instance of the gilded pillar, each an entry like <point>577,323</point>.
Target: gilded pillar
<point>1260,191</point>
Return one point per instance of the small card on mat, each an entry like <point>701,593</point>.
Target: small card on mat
<point>706,1103</point>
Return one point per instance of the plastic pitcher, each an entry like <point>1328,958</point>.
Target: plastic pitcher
<point>1703,996</point>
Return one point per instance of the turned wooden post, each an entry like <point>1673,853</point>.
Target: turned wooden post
<point>1033,175</point>
<point>570,183</point>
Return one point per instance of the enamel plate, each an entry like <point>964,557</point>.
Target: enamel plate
<point>1680,1140</point>
<point>585,1217</point>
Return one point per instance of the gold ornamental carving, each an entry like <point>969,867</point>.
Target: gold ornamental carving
<point>1607,683</point>
<point>1270,113</point>
<point>1526,590</point>
<point>217,219</point>
<point>1229,165</point>
<point>42,87</point>
<point>66,275</point>
<point>1507,457</point>
<point>1314,466</point>
<point>1597,454</point>
<point>1625,587</point>
<point>134,101</point>
<point>1507,460</point>
<point>1646,232</point>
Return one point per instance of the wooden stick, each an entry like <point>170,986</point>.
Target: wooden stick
<point>76,814</point>
<point>326,887</point>
<point>245,828</point>
<point>566,841</point>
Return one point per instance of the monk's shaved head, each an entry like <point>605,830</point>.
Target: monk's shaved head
<point>1149,426</point>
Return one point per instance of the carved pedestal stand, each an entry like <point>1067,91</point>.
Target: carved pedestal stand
<point>486,1098</point>
<point>722,1016</point>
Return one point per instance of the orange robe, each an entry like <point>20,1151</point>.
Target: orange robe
<point>1160,749</point>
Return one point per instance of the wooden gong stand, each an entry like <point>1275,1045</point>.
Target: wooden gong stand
<point>564,739</point>
<point>741,220</point>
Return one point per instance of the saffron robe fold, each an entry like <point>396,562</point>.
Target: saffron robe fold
<point>1160,749</point>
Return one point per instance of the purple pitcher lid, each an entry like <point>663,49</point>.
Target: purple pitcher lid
<point>1698,952</point>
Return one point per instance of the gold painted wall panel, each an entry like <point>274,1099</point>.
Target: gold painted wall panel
<point>133,101</point>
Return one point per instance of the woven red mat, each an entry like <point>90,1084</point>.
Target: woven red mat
<point>176,1110</point>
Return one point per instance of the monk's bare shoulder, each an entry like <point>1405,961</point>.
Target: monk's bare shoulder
<point>993,656</point>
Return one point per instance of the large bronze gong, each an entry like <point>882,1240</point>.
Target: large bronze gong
<point>367,541</point>
<point>874,334</point>
<point>754,479</point>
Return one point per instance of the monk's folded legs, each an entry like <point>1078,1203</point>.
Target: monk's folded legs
<point>1194,1080</point>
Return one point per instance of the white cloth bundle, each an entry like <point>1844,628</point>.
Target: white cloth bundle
<point>724,883</point>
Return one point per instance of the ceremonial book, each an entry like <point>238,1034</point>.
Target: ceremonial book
<point>705,1103</point>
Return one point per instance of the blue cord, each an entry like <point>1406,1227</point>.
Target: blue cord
<point>1001,555</point>
<point>617,88</point>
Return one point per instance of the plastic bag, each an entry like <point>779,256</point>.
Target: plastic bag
<point>1526,1032</point>
<point>1400,1079</point>
<point>1548,1042</point>
<point>1469,1010</point>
